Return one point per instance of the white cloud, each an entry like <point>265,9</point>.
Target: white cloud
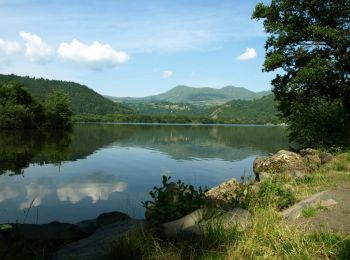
<point>249,54</point>
<point>9,47</point>
<point>36,49</point>
<point>97,56</point>
<point>167,74</point>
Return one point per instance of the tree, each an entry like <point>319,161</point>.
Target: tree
<point>18,109</point>
<point>57,109</point>
<point>308,44</point>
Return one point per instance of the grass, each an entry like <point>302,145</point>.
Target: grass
<point>268,236</point>
<point>312,211</point>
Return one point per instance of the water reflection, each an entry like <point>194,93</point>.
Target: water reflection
<point>97,186</point>
<point>76,175</point>
<point>20,148</point>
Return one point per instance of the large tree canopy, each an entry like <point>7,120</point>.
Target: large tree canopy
<point>309,46</point>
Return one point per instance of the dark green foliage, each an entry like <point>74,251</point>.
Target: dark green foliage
<point>57,110</point>
<point>139,118</point>
<point>309,41</point>
<point>173,201</point>
<point>83,99</point>
<point>18,109</point>
<point>274,192</point>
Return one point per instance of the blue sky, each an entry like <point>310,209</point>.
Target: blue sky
<point>134,47</point>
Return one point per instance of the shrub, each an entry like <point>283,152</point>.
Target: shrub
<point>173,201</point>
<point>274,192</point>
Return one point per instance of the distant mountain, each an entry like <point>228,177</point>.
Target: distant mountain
<point>207,96</point>
<point>261,110</point>
<point>83,99</point>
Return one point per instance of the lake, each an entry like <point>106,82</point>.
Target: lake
<point>98,168</point>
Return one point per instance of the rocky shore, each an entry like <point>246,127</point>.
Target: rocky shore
<point>91,239</point>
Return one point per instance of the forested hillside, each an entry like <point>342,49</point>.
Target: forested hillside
<point>203,96</point>
<point>167,108</point>
<point>83,99</point>
<point>260,110</point>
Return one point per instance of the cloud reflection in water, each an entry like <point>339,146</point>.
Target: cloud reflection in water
<point>97,186</point>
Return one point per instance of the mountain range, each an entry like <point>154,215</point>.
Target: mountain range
<point>228,105</point>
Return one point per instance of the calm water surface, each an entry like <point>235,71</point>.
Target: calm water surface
<point>103,167</point>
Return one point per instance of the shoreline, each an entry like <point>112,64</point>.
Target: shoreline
<point>182,124</point>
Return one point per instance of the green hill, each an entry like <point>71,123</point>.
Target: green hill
<point>261,110</point>
<point>83,99</point>
<point>207,96</point>
<point>166,108</point>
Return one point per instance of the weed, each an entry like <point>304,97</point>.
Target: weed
<point>312,211</point>
<point>173,201</point>
<point>274,192</point>
<point>340,166</point>
<point>309,212</point>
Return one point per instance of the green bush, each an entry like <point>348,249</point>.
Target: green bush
<point>274,192</point>
<point>173,201</point>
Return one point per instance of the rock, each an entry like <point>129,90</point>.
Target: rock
<point>110,217</point>
<point>263,176</point>
<point>325,157</point>
<point>201,221</point>
<point>308,151</point>
<point>312,162</point>
<point>99,243</point>
<point>225,192</point>
<point>53,231</point>
<point>279,163</point>
<point>176,227</point>
<point>324,198</point>
<point>87,226</point>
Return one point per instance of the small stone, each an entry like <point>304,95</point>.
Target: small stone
<point>308,151</point>
<point>312,161</point>
<point>325,157</point>
<point>111,217</point>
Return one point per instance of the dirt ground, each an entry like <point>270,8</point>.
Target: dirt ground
<point>336,218</point>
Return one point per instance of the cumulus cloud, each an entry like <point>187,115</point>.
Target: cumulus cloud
<point>97,56</point>
<point>9,48</point>
<point>36,49</point>
<point>249,54</point>
<point>167,74</point>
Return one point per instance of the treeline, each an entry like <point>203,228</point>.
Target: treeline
<point>83,99</point>
<point>163,119</point>
<point>20,110</point>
